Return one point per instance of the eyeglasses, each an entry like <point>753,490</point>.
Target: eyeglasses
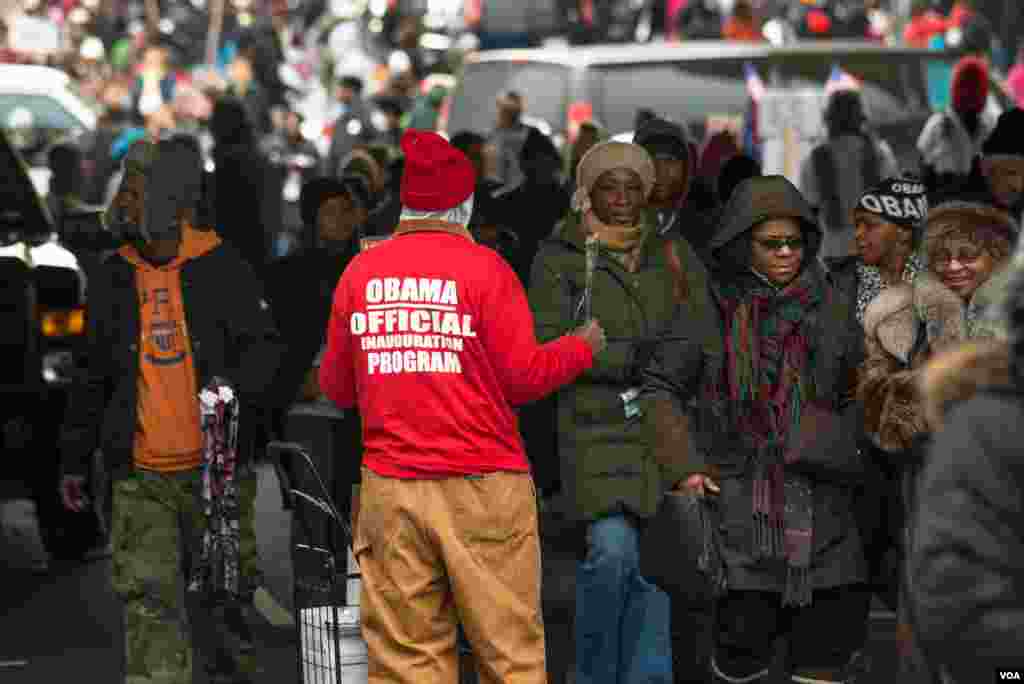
<point>777,244</point>
<point>967,254</point>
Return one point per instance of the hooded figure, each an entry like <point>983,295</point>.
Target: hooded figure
<point>171,312</point>
<point>839,170</point>
<point>769,371</point>
<point>964,564</point>
<point>950,140</point>
<point>675,164</point>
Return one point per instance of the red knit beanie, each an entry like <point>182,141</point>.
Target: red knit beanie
<point>436,176</point>
<point>969,88</point>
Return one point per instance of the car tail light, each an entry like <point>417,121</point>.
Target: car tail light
<point>63,323</point>
<point>579,113</point>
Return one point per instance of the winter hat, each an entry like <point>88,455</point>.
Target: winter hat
<point>314,193</point>
<point>660,137</point>
<point>605,157</point>
<point>1006,140</point>
<point>390,104</point>
<point>353,83</point>
<point>969,88</point>
<point>988,224</point>
<point>359,190</point>
<point>845,112</point>
<point>437,176</point>
<point>735,171</point>
<point>903,201</point>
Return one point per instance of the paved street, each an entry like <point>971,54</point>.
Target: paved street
<point>66,625</point>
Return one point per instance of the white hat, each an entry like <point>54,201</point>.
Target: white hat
<point>92,49</point>
<point>399,62</point>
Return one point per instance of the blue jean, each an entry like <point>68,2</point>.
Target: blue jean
<point>622,621</point>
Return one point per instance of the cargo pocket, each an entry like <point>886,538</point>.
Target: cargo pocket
<point>375,501</point>
<point>496,507</point>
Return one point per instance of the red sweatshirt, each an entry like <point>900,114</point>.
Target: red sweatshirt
<point>431,334</point>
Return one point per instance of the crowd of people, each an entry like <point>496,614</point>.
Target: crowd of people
<point>813,386</point>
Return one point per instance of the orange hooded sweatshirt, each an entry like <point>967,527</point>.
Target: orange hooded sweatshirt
<point>168,435</point>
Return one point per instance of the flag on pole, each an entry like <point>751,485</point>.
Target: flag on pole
<point>840,80</point>
<point>755,86</point>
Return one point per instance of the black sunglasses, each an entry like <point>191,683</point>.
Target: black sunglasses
<point>776,244</point>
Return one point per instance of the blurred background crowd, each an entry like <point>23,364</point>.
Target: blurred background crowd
<point>318,80</point>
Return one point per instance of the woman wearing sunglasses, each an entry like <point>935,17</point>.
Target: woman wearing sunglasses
<point>965,248</point>
<point>768,373</point>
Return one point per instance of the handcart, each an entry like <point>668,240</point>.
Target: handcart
<point>326,576</point>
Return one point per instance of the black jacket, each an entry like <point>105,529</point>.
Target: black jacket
<point>231,332</point>
<point>531,213</point>
<point>350,129</point>
<point>301,289</point>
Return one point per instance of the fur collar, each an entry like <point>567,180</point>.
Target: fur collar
<point>897,316</point>
<point>959,374</point>
<point>890,319</point>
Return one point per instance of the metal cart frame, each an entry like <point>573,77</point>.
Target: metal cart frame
<point>325,622</point>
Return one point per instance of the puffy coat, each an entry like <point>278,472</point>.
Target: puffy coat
<point>605,461</point>
<point>694,358</point>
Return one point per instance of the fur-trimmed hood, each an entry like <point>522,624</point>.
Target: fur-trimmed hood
<point>958,374</point>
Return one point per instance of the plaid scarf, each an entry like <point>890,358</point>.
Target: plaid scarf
<point>765,381</point>
<point>217,571</point>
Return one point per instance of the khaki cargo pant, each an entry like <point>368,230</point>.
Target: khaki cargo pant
<point>434,553</point>
<point>157,523</point>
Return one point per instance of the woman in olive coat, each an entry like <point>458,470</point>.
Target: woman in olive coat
<point>609,479</point>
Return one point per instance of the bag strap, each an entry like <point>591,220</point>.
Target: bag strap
<point>680,288</point>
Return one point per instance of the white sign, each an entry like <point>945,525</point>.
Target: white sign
<point>34,35</point>
<point>798,110</point>
<point>789,123</point>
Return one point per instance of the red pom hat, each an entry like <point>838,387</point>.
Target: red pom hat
<point>970,85</point>
<point>436,176</point>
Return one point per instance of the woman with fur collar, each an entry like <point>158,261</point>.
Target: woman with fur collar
<point>965,572</point>
<point>965,247</point>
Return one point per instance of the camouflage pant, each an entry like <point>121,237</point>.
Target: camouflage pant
<point>157,527</point>
<point>248,550</point>
<point>157,522</point>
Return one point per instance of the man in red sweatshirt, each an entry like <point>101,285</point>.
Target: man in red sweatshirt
<point>431,335</point>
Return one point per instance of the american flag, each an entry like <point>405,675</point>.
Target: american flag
<point>840,80</point>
